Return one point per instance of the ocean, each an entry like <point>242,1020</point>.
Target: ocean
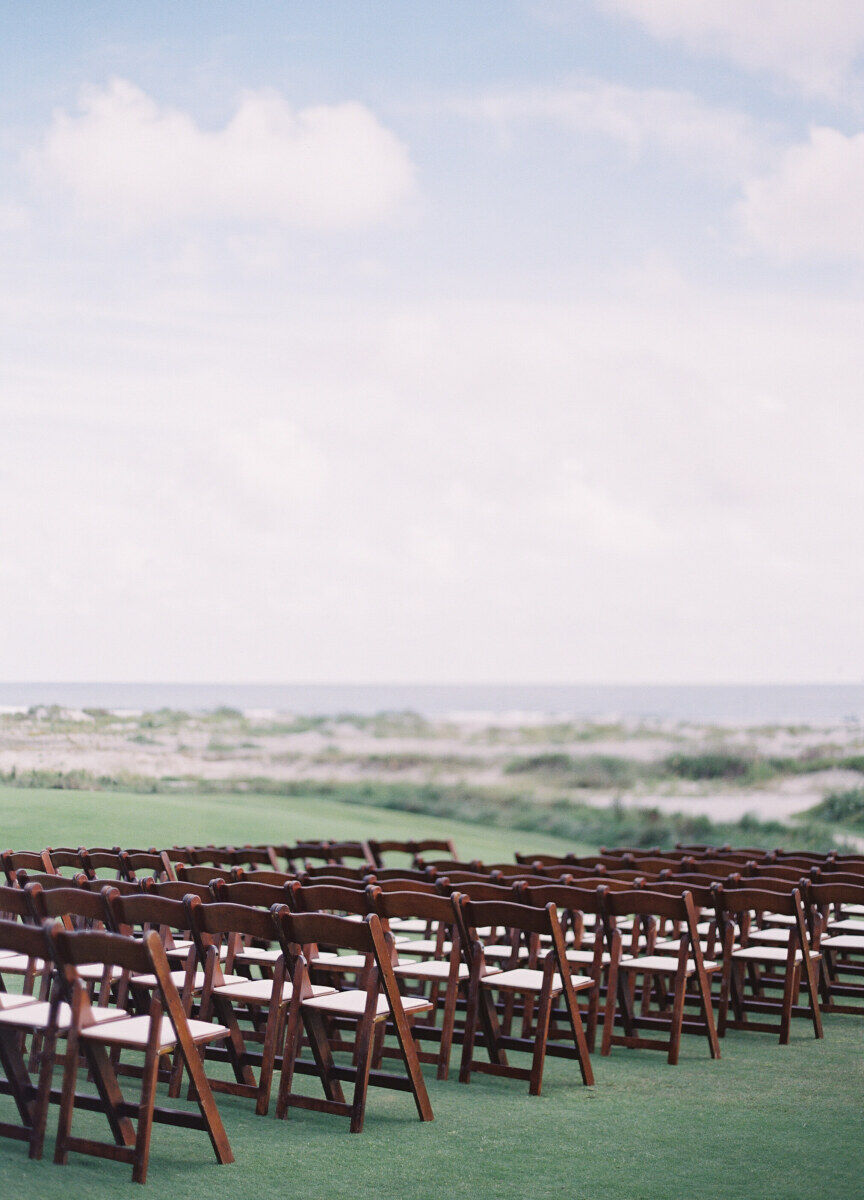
<point>756,704</point>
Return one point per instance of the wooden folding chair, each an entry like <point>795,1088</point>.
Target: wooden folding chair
<point>686,968</point>
<point>377,1000</point>
<point>842,948</point>
<point>445,970</point>
<point>164,1029</point>
<point>28,943</point>
<point>534,982</point>
<point>753,968</point>
<point>232,999</point>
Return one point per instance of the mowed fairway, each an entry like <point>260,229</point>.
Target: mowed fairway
<point>764,1121</point>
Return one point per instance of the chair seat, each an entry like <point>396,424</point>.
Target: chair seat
<point>664,963</point>
<point>844,941</point>
<point>503,953</point>
<point>179,980</point>
<point>424,946</point>
<point>35,1016</point>
<point>775,954</point>
<point>434,969</point>
<point>848,925</point>
<point>352,1003</point>
<point>19,964</point>
<point>523,979</point>
<point>134,1032</point>
<point>257,954</point>
<point>585,957</point>
<point>259,991</point>
<point>778,936</point>
<point>14,1000</point>
<point>94,972</point>
<point>779,919</point>
<point>408,924</point>
<point>673,947</point>
<point>339,962</point>
<point>181,950</point>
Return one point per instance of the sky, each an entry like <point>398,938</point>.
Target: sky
<point>372,341</point>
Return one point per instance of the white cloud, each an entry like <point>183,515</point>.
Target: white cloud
<point>644,121</point>
<point>124,158</point>
<point>811,206</point>
<point>814,44</point>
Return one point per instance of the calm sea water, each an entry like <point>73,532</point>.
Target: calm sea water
<point>753,705</point>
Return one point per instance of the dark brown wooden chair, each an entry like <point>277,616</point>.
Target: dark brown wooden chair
<point>842,948</point>
<point>753,969</point>
<point>377,1000</point>
<point>232,999</point>
<point>444,970</point>
<point>164,1029</point>
<point>686,968</point>
<point>28,943</point>
<point>541,980</point>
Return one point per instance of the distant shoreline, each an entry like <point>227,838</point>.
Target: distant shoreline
<point>722,704</point>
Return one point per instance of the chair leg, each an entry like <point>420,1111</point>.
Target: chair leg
<point>363,1056</point>
<point>541,1035</point>
<point>677,1020</point>
<point>268,1056</point>
<point>448,1024</point>
<point>43,1095</point>
<point>789,990</point>
<point>813,969</point>
<point>609,1009</point>
<point>145,1109</point>
<point>67,1100</point>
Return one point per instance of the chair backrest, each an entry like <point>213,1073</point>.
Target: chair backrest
<point>94,861</point>
<point>65,858</point>
<point>254,857</point>
<point>126,887</point>
<point>22,938</point>
<point>325,897</point>
<point>14,861</point>
<point>775,871</point>
<point>565,897</point>
<point>215,924</point>
<point>148,862</point>
<point>130,914</point>
<point>74,906</point>
<point>413,847</point>
<point>425,886</point>
<point>752,896</point>
<point>389,873</point>
<point>14,902</point>
<point>831,892</point>
<point>274,878</point>
<point>202,874</point>
<point>176,889</point>
<point>334,870</point>
<point>51,881</point>
<point>296,930</point>
<point>254,895</point>
<point>344,881</point>
<point>475,890</point>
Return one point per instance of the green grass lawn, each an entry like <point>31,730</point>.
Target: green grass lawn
<point>765,1121</point>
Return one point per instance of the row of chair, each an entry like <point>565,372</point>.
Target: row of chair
<point>241,964</point>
